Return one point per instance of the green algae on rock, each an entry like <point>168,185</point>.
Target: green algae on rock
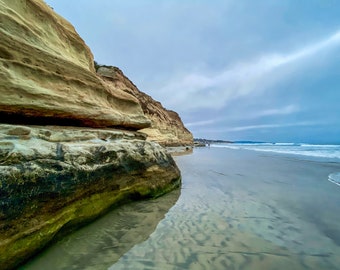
<point>50,186</point>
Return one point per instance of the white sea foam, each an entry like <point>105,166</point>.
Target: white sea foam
<point>286,144</point>
<point>334,178</point>
<point>312,150</point>
<point>320,145</point>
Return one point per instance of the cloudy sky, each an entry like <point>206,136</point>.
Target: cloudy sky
<point>266,70</point>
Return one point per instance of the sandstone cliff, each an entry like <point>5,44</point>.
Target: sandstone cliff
<point>47,74</point>
<point>69,149</point>
<point>167,127</point>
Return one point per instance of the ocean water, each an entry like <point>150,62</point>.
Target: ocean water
<point>334,178</point>
<point>237,209</point>
<point>327,151</point>
<point>322,152</point>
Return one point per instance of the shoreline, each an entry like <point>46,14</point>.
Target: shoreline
<point>238,209</point>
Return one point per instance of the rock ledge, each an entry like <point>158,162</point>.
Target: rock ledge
<point>53,179</point>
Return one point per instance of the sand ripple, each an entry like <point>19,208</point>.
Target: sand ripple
<point>237,210</point>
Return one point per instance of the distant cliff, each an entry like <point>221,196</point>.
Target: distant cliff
<point>167,127</point>
<point>69,142</point>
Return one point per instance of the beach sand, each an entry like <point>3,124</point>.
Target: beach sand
<point>237,209</point>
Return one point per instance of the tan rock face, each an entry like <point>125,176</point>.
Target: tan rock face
<point>67,165</point>
<point>167,127</point>
<point>47,74</point>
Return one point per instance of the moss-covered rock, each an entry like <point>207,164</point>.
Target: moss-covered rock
<point>56,179</point>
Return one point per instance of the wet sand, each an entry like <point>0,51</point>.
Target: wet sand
<point>238,209</point>
<point>103,242</point>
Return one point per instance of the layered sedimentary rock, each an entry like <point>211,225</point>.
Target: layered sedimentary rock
<point>167,127</point>
<point>87,157</point>
<point>47,74</point>
<point>54,178</point>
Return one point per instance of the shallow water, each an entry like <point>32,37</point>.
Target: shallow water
<point>237,209</point>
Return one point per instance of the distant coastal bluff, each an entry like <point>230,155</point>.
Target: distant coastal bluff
<point>73,142</point>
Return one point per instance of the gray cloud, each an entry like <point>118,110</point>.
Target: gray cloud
<point>232,69</point>
<point>240,80</point>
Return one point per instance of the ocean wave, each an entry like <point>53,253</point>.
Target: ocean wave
<point>287,144</point>
<point>230,146</point>
<point>320,145</point>
<point>312,150</point>
<point>334,178</point>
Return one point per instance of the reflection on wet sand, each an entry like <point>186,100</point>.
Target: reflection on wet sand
<point>103,242</point>
<point>242,210</point>
<point>237,210</point>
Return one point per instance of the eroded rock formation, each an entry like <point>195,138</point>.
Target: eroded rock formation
<point>69,149</point>
<point>47,74</point>
<point>167,127</point>
<point>55,178</point>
